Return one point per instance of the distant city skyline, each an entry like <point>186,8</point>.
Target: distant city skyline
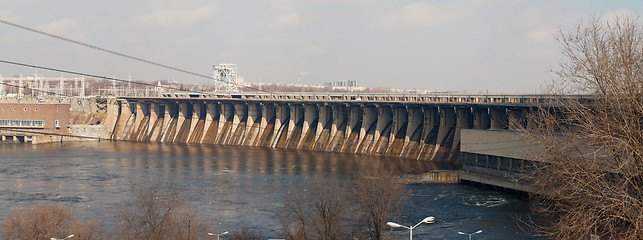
<point>477,46</point>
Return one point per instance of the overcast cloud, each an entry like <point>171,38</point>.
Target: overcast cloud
<point>499,46</point>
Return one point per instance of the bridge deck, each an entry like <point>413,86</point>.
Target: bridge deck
<point>394,99</point>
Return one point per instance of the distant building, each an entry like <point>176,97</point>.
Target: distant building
<point>344,83</point>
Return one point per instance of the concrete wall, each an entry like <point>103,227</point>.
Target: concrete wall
<point>92,132</point>
<point>502,143</point>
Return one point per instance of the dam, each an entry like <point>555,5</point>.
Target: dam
<point>420,127</point>
<point>473,133</point>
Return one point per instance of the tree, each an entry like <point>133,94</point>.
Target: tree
<point>326,209</point>
<point>45,221</point>
<point>320,211</point>
<point>89,230</point>
<point>379,196</point>
<point>152,212</point>
<point>591,176</point>
<point>245,234</point>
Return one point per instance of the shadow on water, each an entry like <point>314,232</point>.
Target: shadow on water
<point>207,159</point>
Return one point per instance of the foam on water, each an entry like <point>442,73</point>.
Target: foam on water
<point>488,201</point>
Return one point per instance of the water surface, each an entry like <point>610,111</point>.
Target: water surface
<point>233,186</point>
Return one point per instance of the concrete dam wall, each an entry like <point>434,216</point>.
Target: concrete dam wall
<point>422,131</point>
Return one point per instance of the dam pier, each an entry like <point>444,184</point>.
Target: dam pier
<point>426,128</point>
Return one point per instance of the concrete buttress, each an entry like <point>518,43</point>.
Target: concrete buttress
<point>239,124</point>
<point>367,131</point>
<point>253,124</point>
<point>309,127</point>
<point>400,124</point>
<point>378,125</point>
<point>481,118</point>
<point>184,114</point>
<point>498,118</point>
<point>383,130</point>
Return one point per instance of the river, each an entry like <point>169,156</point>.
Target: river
<point>233,186</point>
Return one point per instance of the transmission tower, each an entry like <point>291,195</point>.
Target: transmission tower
<point>225,77</point>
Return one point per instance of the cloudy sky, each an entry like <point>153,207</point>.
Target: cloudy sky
<point>499,46</point>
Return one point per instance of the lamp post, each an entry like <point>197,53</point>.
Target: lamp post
<point>426,220</point>
<point>470,234</point>
<point>68,237</point>
<point>218,235</point>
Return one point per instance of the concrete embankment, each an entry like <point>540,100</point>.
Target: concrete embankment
<point>459,176</point>
<point>92,120</point>
<point>437,176</point>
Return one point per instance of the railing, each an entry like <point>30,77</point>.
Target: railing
<point>380,97</point>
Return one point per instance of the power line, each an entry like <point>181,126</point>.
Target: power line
<point>121,54</point>
<point>92,75</point>
<point>103,49</point>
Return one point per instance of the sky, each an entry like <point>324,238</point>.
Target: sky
<point>473,46</point>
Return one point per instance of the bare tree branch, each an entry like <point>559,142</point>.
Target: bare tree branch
<point>591,175</point>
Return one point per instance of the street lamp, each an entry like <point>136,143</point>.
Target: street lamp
<point>470,234</point>
<point>426,220</point>
<point>68,237</point>
<point>218,235</point>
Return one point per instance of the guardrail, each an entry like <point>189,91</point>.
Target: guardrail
<point>434,98</point>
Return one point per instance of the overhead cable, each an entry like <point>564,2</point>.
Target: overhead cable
<point>120,54</point>
<point>93,75</point>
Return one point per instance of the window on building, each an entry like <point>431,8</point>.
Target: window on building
<point>22,123</point>
<point>38,123</point>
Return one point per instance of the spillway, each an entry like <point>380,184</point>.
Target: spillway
<point>411,130</point>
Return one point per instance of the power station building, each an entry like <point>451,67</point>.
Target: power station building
<point>22,121</point>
